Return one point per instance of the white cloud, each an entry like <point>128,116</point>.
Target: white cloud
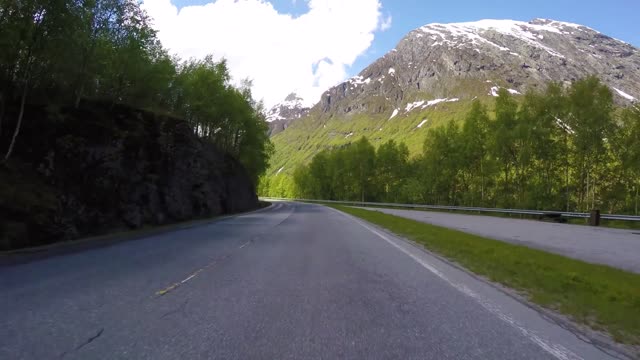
<point>281,53</point>
<point>385,24</point>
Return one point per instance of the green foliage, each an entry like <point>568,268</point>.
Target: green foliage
<point>63,51</point>
<point>596,295</point>
<point>319,131</point>
<point>553,150</point>
<point>590,116</point>
<point>440,165</point>
<point>475,137</point>
<point>392,166</point>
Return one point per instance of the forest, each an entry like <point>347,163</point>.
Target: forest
<point>65,52</point>
<point>561,148</point>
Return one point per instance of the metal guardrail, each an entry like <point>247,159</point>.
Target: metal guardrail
<point>475,209</point>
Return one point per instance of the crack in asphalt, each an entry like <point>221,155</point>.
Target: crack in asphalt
<point>87,342</point>
<point>177,310</point>
<point>90,340</point>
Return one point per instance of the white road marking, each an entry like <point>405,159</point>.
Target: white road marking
<point>558,351</point>
<point>187,279</point>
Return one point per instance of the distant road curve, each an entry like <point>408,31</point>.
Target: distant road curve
<point>614,247</point>
<point>295,281</point>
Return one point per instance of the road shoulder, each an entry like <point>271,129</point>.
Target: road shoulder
<point>514,289</point>
<point>27,255</point>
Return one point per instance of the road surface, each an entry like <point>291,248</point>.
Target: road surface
<point>296,281</point>
<point>600,245</point>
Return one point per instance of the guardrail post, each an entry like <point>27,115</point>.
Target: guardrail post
<point>594,217</point>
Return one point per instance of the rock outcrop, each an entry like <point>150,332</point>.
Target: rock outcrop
<point>100,168</point>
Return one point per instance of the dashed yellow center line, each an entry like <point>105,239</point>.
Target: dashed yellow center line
<point>174,286</point>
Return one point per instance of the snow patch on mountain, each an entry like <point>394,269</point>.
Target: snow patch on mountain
<point>422,123</point>
<point>414,105</point>
<point>624,95</point>
<point>274,115</point>
<point>359,80</point>
<point>395,113</point>
<point>423,104</point>
<point>456,34</point>
<point>293,107</point>
<point>437,101</point>
<point>494,91</point>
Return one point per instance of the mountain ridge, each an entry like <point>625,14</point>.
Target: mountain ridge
<point>282,114</point>
<point>530,54</point>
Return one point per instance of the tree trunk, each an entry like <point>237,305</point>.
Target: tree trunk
<point>362,182</point>
<point>481,183</point>
<point>20,116</point>
<point>587,200</point>
<point>567,169</point>
<point>79,96</point>
<point>637,186</point>
<point>506,186</point>
<point>236,142</point>
<point>594,189</point>
<point>1,112</point>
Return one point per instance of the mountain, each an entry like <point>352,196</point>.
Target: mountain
<point>435,72</point>
<point>282,114</point>
<point>440,59</point>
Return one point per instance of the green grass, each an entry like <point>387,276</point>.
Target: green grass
<point>601,297</point>
<point>311,134</point>
<point>308,136</point>
<point>615,224</point>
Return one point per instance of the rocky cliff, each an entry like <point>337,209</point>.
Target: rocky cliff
<point>97,169</point>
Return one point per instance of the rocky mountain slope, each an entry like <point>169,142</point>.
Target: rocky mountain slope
<point>103,168</point>
<point>282,114</point>
<point>440,59</point>
<point>437,70</point>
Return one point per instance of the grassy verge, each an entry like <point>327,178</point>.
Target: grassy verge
<point>616,224</point>
<point>601,297</point>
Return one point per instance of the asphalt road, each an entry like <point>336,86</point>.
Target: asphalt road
<point>296,281</point>
<point>614,247</point>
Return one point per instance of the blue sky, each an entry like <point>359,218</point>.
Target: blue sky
<point>616,18</point>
